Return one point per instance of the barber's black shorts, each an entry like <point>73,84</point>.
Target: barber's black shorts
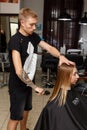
<point>20,101</point>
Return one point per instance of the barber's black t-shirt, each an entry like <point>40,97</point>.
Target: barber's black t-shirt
<point>21,44</point>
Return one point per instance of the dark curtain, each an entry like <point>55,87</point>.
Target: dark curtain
<point>57,32</point>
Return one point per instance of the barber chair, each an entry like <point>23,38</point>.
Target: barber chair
<point>78,59</point>
<point>85,64</point>
<point>74,51</point>
<point>4,68</point>
<point>49,65</point>
<point>6,71</point>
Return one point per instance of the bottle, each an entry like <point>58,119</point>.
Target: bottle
<point>64,49</point>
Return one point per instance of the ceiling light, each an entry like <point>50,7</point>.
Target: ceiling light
<point>64,16</point>
<point>83,20</point>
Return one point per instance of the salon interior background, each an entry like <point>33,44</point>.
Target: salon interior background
<point>38,6</point>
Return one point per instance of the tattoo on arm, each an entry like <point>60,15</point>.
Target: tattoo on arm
<point>24,77</point>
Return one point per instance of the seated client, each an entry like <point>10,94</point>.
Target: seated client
<point>57,115</point>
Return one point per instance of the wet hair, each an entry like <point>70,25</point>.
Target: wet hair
<point>27,12</point>
<point>63,83</point>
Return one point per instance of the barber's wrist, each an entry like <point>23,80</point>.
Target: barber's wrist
<point>32,85</point>
<point>61,55</point>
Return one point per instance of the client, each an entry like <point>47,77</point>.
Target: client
<point>57,114</point>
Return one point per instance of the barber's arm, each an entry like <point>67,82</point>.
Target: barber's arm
<point>54,52</point>
<point>21,73</point>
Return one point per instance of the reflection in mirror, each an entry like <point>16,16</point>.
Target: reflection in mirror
<point>13,24</point>
<point>8,27</point>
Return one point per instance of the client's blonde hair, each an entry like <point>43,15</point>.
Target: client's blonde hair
<point>63,83</point>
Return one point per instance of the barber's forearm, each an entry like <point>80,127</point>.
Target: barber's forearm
<point>55,52</point>
<point>24,78</point>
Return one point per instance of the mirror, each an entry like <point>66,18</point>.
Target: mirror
<point>8,27</point>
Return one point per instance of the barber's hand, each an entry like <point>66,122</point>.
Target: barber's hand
<point>63,59</point>
<point>39,90</point>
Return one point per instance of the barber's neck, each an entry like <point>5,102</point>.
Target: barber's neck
<point>23,32</point>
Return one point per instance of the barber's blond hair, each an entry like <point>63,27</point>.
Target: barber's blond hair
<point>63,82</point>
<point>27,12</point>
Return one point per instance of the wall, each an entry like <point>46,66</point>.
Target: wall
<point>9,8</point>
